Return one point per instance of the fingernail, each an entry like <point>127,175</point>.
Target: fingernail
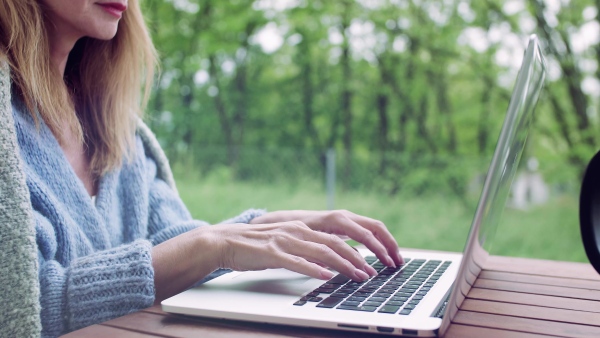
<point>326,274</point>
<point>391,262</point>
<point>369,269</point>
<point>361,274</point>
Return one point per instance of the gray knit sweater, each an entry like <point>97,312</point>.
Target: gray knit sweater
<point>67,262</point>
<point>19,286</point>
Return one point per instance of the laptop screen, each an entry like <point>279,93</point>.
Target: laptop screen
<point>500,175</point>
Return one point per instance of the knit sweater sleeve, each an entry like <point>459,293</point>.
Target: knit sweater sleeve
<point>168,215</point>
<point>93,288</point>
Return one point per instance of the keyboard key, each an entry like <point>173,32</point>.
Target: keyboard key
<point>347,307</point>
<point>339,279</point>
<point>371,259</point>
<point>322,290</point>
<point>409,307</point>
<point>399,298</point>
<point>357,298</point>
<point>357,308</point>
<point>350,303</point>
<point>373,303</point>
<point>367,308</point>
<point>315,299</point>
<point>384,293</point>
<point>405,292</point>
<point>395,303</point>
<point>389,309</point>
<point>300,303</point>
<point>329,302</point>
<point>405,312</point>
<point>395,283</point>
<point>374,298</point>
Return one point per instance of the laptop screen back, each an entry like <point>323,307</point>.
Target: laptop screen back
<point>500,175</point>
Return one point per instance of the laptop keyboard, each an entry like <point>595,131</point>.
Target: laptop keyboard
<point>393,290</point>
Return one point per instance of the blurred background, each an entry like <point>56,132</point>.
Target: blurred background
<point>388,108</point>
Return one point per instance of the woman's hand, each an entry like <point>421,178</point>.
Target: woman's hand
<point>291,245</point>
<point>372,233</point>
<point>187,258</point>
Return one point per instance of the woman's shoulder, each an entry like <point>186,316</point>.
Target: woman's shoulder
<point>153,150</point>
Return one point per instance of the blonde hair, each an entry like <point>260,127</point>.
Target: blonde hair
<point>103,96</point>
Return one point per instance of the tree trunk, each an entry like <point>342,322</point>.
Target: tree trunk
<point>571,74</point>
<point>221,109</point>
<point>346,99</point>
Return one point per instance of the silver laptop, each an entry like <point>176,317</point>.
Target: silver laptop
<point>419,298</point>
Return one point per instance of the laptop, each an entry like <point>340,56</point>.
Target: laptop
<point>419,298</point>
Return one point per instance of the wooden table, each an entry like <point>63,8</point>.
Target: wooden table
<point>513,297</point>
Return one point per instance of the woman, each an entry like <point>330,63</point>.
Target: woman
<point>112,234</point>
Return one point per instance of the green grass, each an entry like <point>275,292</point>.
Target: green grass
<point>433,222</point>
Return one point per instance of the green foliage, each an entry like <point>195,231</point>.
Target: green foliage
<point>411,94</point>
<point>438,222</point>
<point>359,76</point>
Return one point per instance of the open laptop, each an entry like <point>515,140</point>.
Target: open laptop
<point>419,298</point>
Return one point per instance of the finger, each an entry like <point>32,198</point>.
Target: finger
<point>345,250</point>
<point>366,237</point>
<point>314,251</point>
<point>298,239</point>
<point>381,232</point>
<point>302,232</point>
<point>300,265</point>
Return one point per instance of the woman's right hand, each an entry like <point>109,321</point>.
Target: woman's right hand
<point>290,245</point>
<point>183,260</point>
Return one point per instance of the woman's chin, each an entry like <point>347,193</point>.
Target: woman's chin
<point>107,33</point>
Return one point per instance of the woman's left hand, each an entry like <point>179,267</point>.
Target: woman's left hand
<point>370,232</point>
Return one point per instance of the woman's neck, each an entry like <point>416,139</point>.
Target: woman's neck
<point>61,45</point>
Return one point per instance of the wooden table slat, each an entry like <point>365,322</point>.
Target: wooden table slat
<point>541,267</point>
<point>535,300</point>
<point>538,289</point>
<point>541,280</point>
<point>533,312</point>
<point>176,326</point>
<point>103,331</point>
<point>466,331</point>
<point>526,325</point>
<point>154,320</point>
<point>155,309</point>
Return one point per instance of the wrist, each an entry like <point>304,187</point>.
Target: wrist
<point>212,246</point>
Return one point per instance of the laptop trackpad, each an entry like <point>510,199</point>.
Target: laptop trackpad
<point>274,281</point>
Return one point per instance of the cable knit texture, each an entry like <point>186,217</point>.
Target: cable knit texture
<point>93,260</point>
<point>20,309</point>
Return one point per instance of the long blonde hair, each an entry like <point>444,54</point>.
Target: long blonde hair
<point>103,95</point>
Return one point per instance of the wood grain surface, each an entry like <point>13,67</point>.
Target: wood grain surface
<point>513,297</point>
